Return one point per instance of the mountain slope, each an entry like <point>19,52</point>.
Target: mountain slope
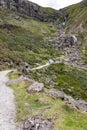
<point>55,42</point>
<point>31,9</point>
<point>76,16</point>
<point>77,24</point>
<point>23,37</point>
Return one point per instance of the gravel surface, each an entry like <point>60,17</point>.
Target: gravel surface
<point>7,104</point>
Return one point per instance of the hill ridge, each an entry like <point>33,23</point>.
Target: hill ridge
<point>31,9</point>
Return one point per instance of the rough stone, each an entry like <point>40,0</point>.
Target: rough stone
<point>36,87</point>
<point>37,124</point>
<point>13,81</point>
<point>30,9</point>
<point>17,80</point>
<point>64,40</point>
<point>56,94</point>
<point>70,101</point>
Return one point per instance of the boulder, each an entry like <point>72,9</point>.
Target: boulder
<point>77,104</point>
<point>36,87</point>
<point>37,124</point>
<point>56,94</point>
<point>63,41</point>
<point>70,101</point>
<point>82,105</point>
<point>73,39</point>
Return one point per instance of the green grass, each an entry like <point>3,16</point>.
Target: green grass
<point>84,51</point>
<point>23,40</point>
<point>76,15</point>
<point>61,77</point>
<point>44,106</point>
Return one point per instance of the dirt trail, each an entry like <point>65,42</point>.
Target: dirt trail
<point>7,104</point>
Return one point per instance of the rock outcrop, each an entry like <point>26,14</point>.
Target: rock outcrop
<point>31,9</point>
<point>85,2</point>
<point>63,40</point>
<point>37,124</point>
<point>36,87</point>
<point>71,102</point>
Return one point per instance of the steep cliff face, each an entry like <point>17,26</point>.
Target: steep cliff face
<point>31,9</point>
<point>85,2</point>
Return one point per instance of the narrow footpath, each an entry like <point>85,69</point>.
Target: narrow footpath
<point>7,104</point>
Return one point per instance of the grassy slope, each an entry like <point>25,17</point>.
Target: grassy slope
<point>69,80</point>
<point>61,77</point>
<point>24,38</point>
<point>44,106</point>
<point>77,24</point>
<point>76,14</point>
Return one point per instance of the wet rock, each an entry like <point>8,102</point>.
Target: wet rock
<point>36,87</point>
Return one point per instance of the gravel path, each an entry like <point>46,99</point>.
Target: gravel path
<point>7,105</point>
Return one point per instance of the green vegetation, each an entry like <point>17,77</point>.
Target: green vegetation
<point>61,77</point>
<point>14,75</point>
<point>76,16</point>
<point>44,106</point>
<point>84,50</point>
<point>22,39</point>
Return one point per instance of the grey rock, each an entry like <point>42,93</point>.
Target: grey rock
<point>73,39</point>
<point>13,81</point>
<point>70,101</point>
<point>82,105</point>
<point>30,9</point>
<point>77,104</point>
<point>64,40</point>
<point>56,94</point>
<point>36,87</point>
<point>37,124</point>
<point>17,80</point>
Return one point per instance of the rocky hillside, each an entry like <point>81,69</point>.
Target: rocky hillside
<point>49,50</point>
<point>24,26</point>
<point>31,9</point>
<point>19,22</point>
<point>77,24</point>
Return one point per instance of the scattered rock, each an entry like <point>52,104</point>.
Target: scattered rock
<point>71,102</point>
<point>36,87</point>
<point>37,124</point>
<point>63,40</point>
<point>82,105</point>
<point>56,94</point>
<point>77,104</point>
<point>30,9</point>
